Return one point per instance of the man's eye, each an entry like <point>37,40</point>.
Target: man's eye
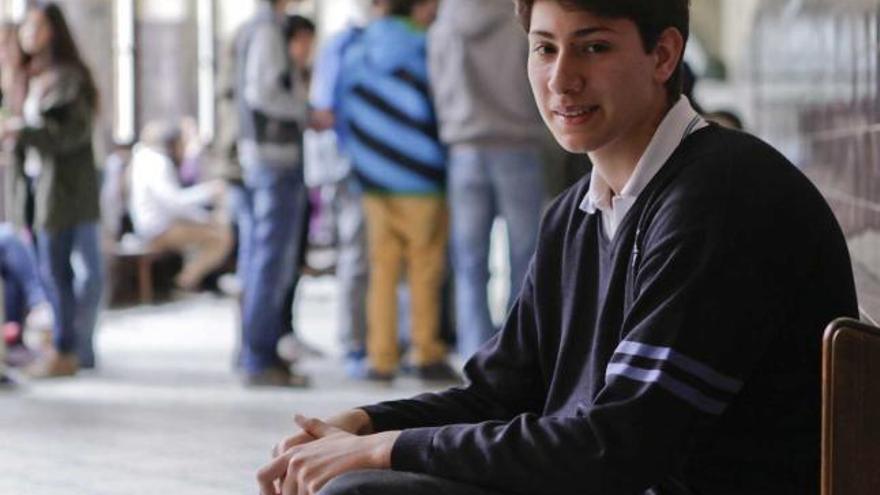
<point>543,49</point>
<point>595,48</point>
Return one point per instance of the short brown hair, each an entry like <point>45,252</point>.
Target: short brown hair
<point>651,17</point>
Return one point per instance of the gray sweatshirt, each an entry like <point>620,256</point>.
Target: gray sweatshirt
<point>477,56</point>
<point>272,106</point>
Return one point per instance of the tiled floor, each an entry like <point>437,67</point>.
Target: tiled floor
<point>165,414</point>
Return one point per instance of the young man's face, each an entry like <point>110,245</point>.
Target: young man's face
<point>593,82</point>
<point>299,48</point>
<point>424,13</point>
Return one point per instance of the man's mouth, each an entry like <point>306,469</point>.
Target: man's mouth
<point>573,115</point>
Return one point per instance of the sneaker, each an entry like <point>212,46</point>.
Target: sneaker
<point>7,382</point>
<point>379,376</point>
<point>53,365</point>
<point>355,365</point>
<point>291,349</point>
<point>437,372</point>
<point>276,376</point>
<point>19,356</point>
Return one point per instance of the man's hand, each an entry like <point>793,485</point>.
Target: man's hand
<point>355,421</point>
<point>326,452</point>
<point>321,120</point>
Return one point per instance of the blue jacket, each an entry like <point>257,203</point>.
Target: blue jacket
<point>386,108</point>
<point>326,75</point>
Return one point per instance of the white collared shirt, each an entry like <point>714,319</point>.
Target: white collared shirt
<point>679,122</point>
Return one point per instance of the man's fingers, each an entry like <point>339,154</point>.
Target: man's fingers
<point>314,427</point>
<point>289,486</point>
<point>317,484</point>
<point>287,443</point>
<point>267,475</point>
<point>303,487</point>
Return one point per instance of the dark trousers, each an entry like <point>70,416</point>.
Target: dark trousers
<point>386,482</point>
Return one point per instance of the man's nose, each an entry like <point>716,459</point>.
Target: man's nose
<point>566,78</point>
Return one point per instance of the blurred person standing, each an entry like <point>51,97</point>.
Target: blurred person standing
<point>272,113</point>
<point>494,132</point>
<point>170,217</point>
<point>54,155</point>
<point>398,159</point>
<point>299,33</point>
<point>335,166</point>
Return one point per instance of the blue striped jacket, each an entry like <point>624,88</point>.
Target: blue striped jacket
<point>386,107</point>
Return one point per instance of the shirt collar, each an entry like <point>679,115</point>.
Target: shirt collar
<point>679,122</point>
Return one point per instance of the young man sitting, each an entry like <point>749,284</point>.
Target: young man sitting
<point>667,336</point>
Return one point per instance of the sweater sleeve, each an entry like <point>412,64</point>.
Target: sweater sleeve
<point>503,379</point>
<point>325,75</point>
<point>183,203</point>
<point>692,337</point>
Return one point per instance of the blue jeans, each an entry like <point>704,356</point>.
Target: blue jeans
<point>21,282</point>
<point>485,182</point>
<point>73,277</point>
<point>270,223</point>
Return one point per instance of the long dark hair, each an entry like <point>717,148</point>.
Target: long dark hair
<point>64,50</point>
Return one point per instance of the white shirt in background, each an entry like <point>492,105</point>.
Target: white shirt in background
<point>156,199</point>
<point>33,117</point>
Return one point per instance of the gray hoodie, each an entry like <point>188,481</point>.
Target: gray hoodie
<point>477,62</point>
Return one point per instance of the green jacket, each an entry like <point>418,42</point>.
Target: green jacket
<point>67,187</point>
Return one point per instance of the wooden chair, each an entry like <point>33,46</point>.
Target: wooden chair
<point>851,409</point>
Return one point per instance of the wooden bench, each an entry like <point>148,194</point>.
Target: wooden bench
<point>143,257</point>
<point>851,409</point>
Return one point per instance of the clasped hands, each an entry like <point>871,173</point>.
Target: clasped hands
<point>302,464</point>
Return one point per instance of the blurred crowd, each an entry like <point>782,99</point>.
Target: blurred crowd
<point>410,149</point>
<point>395,144</point>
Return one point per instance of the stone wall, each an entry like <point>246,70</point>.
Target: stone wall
<point>167,64</point>
<point>91,23</point>
<point>814,85</point>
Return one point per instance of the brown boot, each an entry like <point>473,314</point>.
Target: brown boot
<point>54,364</point>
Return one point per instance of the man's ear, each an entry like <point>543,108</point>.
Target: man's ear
<point>668,54</point>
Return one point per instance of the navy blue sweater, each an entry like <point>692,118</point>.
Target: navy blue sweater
<point>681,357</point>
